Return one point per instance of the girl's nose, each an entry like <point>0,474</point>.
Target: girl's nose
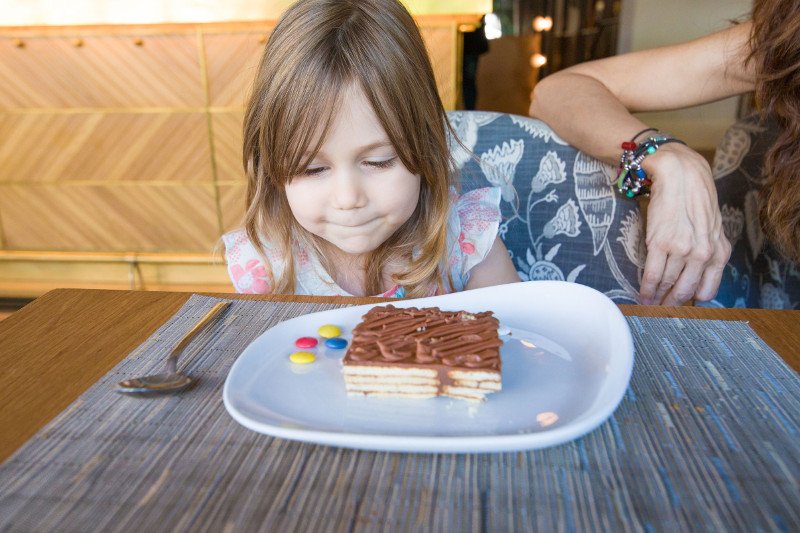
<point>347,191</point>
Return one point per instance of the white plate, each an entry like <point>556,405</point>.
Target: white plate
<point>565,385</point>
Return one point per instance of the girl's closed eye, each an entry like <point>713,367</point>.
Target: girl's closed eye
<point>381,163</point>
<point>313,171</point>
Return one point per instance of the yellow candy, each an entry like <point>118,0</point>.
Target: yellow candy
<point>302,358</point>
<point>328,331</point>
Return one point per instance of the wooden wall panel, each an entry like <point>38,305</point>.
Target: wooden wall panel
<point>104,147</point>
<point>227,128</point>
<point>441,42</point>
<point>28,279</point>
<point>232,204</point>
<point>211,276</point>
<point>131,217</point>
<point>105,71</point>
<point>231,61</point>
<point>181,12</point>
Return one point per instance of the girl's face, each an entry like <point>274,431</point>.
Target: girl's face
<point>356,192</point>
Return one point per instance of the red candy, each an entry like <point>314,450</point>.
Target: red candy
<point>305,342</point>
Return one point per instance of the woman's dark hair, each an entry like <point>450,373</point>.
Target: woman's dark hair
<point>775,53</point>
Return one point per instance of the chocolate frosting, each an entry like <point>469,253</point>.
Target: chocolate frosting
<point>427,336</point>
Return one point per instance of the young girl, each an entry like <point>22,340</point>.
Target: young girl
<point>350,188</point>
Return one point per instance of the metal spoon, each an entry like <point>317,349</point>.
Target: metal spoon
<point>170,380</point>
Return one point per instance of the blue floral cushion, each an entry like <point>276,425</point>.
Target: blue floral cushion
<point>562,219</point>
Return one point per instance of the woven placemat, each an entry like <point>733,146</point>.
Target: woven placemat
<point>706,438</point>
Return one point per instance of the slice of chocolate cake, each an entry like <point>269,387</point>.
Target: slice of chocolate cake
<point>422,353</point>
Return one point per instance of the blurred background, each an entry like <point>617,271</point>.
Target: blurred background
<point>120,121</point>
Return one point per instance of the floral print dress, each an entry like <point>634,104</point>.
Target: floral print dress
<point>472,227</point>
<point>756,274</point>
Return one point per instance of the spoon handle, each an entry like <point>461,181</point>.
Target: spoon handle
<point>214,311</point>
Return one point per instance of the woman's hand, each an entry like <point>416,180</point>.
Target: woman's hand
<point>686,246</point>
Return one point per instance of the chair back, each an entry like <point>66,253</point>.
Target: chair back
<point>562,219</point>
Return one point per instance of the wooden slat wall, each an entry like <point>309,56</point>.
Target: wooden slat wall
<point>127,140</point>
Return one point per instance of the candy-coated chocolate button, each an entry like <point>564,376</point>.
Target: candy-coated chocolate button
<point>302,358</point>
<point>328,331</point>
<point>305,342</point>
<point>337,343</point>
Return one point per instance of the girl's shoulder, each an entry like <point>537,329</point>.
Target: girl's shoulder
<point>246,266</point>
<point>472,229</point>
<point>477,209</point>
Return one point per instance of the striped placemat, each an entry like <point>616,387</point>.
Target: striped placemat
<point>705,439</point>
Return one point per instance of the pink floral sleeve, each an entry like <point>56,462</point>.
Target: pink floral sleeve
<point>245,267</point>
<point>472,228</point>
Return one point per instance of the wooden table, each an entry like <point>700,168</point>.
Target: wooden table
<point>55,348</point>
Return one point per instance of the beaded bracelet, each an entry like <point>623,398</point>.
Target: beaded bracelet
<point>632,180</point>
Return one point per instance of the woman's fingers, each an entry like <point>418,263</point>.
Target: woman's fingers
<point>677,276</point>
<point>682,275</point>
<point>712,275</point>
<point>685,288</point>
<point>653,273</point>
<point>675,272</point>
<point>674,247</point>
<point>695,262</point>
<point>702,274</point>
<point>685,274</point>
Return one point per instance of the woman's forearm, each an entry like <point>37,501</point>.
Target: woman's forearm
<point>585,114</point>
<point>590,104</point>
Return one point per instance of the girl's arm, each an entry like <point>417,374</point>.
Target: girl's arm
<point>495,269</point>
<point>590,106</point>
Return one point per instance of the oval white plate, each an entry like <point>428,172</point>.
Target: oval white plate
<point>566,367</point>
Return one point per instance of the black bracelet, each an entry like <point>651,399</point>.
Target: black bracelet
<point>632,180</point>
<point>643,131</point>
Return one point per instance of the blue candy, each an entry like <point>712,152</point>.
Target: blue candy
<point>337,343</point>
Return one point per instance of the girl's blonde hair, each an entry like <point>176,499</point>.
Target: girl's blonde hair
<point>316,51</point>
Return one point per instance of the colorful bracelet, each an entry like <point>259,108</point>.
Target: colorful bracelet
<point>632,180</point>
